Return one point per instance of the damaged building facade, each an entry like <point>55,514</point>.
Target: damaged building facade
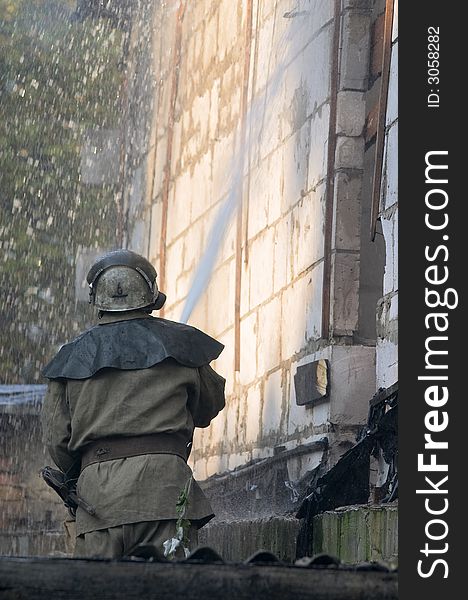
<point>272,127</point>
<point>285,116</point>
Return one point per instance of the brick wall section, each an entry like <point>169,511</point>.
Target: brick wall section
<point>349,156</point>
<point>31,514</point>
<point>284,196</point>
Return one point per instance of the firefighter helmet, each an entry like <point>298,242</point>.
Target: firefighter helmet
<point>123,280</point>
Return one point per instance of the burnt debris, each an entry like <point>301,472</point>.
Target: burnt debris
<point>347,483</point>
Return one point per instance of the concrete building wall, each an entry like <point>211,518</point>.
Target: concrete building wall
<point>282,84</point>
<point>387,312</point>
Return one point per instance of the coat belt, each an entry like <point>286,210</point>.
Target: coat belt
<point>112,448</point>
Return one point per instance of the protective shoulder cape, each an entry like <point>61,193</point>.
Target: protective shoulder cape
<point>133,344</point>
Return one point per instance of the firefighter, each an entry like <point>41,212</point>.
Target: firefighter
<point>118,418</point>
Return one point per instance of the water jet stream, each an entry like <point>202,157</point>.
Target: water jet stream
<point>257,120</point>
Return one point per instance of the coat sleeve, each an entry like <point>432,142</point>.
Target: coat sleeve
<point>56,429</point>
<point>206,405</point>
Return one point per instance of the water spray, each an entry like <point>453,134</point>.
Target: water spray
<point>255,125</point>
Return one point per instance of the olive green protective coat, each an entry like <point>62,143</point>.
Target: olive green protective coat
<point>167,397</point>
